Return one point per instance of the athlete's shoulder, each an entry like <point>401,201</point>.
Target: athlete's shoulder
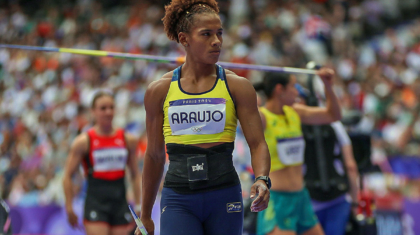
<point>237,81</point>
<point>296,107</point>
<point>81,138</point>
<point>157,90</point>
<point>293,111</point>
<point>162,84</point>
<point>80,143</point>
<point>231,76</point>
<point>291,108</point>
<point>262,109</point>
<point>238,84</point>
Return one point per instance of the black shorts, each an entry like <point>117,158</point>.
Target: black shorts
<point>113,212</point>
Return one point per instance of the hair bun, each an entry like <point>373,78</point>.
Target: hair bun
<point>175,14</point>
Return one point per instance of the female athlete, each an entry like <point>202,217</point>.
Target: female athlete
<point>105,152</point>
<point>289,211</point>
<point>194,111</point>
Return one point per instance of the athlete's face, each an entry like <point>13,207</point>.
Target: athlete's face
<point>204,41</point>
<point>288,93</point>
<point>103,110</point>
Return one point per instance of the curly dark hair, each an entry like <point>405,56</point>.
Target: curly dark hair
<point>179,15</point>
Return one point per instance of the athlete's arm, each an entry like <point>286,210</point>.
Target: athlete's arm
<point>133,166</point>
<point>352,172</point>
<point>77,151</point>
<point>348,157</point>
<point>245,99</point>
<point>154,159</point>
<point>321,115</point>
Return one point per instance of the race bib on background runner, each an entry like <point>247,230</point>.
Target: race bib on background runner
<point>109,159</point>
<point>291,150</point>
<point>197,116</point>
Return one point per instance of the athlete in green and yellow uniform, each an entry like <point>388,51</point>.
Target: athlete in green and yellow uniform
<point>289,211</point>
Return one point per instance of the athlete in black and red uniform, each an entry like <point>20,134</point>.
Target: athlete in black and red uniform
<point>104,153</point>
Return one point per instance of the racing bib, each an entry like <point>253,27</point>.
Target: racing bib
<point>109,159</point>
<point>291,150</point>
<point>197,116</point>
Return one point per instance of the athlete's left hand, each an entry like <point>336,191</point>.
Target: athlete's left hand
<point>261,202</point>
<point>327,76</point>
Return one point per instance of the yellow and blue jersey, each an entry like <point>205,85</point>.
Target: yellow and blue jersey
<point>194,118</point>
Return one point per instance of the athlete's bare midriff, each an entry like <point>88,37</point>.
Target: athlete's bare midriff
<point>288,179</point>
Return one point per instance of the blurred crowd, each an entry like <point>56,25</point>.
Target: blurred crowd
<point>373,45</point>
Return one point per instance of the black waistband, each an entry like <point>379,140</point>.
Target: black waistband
<point>189,149</point>
<point>105,189</point>
<point>221,172</point>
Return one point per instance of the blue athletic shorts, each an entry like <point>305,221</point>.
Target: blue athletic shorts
<point>218,212</point>
<point>333,218</point>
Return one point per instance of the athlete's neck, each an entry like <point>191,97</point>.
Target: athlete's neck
<point>274,106</point>
<point>104,130</point>
<point>196,71</point>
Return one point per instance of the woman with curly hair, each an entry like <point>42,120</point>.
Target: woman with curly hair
<point>194,111</point>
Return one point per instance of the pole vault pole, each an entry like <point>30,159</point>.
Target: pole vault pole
<point>158,59</point>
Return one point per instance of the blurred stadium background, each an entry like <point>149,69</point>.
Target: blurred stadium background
<point>374,46</point>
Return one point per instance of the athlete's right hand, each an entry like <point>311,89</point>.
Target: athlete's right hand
<point>72,218</point>
<point>148,224</point>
